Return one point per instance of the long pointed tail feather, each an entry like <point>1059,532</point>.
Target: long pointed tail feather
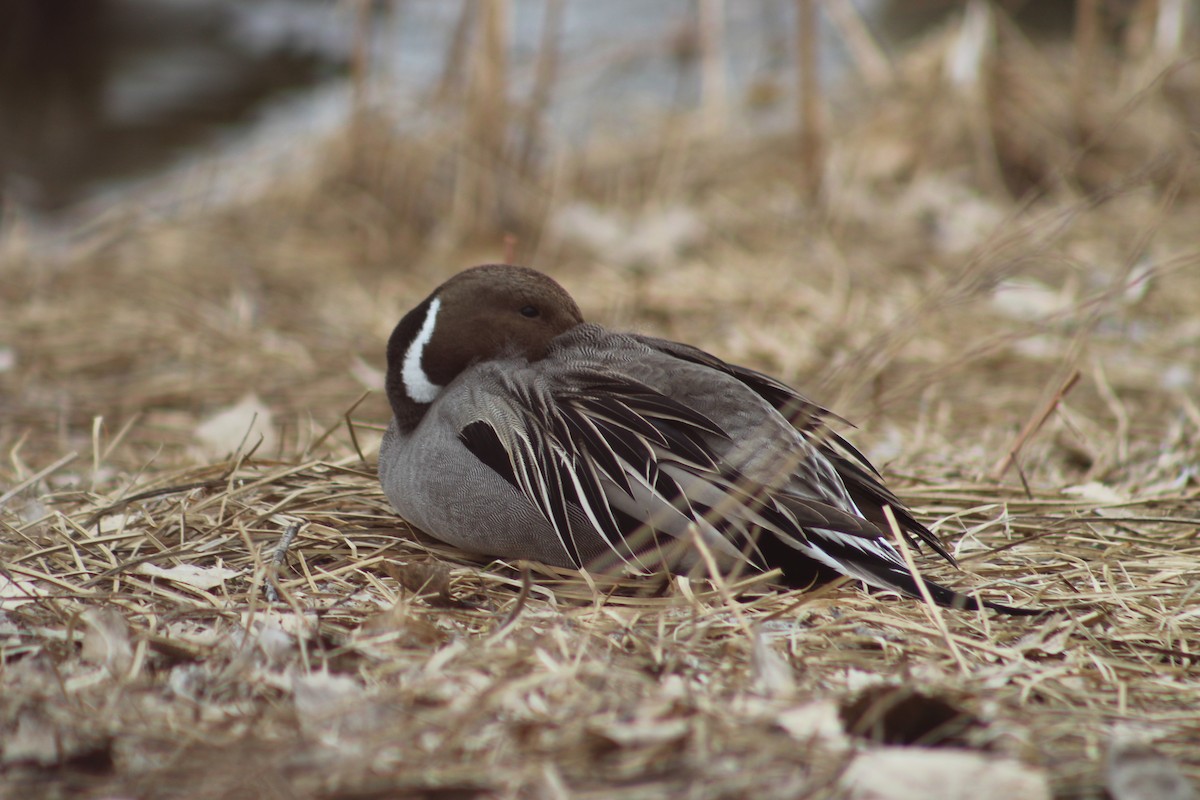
<point>801,569</point>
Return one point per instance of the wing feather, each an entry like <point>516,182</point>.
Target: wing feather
<point>860,477</point>
<point>576,449</point>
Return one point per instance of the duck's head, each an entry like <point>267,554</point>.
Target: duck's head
<point>481,313</point>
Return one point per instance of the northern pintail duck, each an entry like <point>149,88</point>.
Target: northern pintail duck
<point>522,432</point>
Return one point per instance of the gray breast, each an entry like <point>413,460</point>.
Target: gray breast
<point>436,484</point>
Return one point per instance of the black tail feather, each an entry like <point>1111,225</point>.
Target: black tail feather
<point>801,571</point>
<point>948,598</point>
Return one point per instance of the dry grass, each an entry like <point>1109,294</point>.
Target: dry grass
<point>141,658</point>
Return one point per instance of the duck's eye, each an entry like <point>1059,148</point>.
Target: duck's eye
<point>531,312</point>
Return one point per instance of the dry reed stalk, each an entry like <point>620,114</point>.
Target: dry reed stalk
<point>935,612</point>
<point>41,474</point>
<point>812,145</point>
<point>1087,58</point>
<point>457,54</point>
<point>1035,424</point>
<point>1170,28</point>
<point>970,68</point>
<point>360,56</point>
<point>544,77</point>
<point>714,83</point>
<point>872,63</point>
<point>484,153</point>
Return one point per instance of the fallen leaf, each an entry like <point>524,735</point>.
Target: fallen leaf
<point>642,731</point>
<point>16,592</point>
<point>772,673</point>
<point>429,579</point>
<point>1096,492</point>
<point>106,640</point>
<point>274,642</point>
<point>40,740</point>
<point>197,577</point>
<point>1028,299</point>
<point>249,421</point>
<point>1136,771</point>
<point>35,741</point>
<point>332,708</point>
<point>915,773</point>
<point>369,376</point>
<point>818,721</point>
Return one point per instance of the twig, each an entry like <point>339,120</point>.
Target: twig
<point>37,476</point>
<point>345,418</point>
<point>714,574</point>
<point>935,610</point>
<point>518,606</point>
<point>285,542</point>
<point>1034,425</point>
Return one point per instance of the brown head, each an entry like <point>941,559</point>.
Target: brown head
<point>481,313</point>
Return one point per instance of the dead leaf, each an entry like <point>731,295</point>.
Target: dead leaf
<point>249,421</point>
<point>35,741</point>
<point>275,643</point>
<point>1096,492</point>
<point>106,640</point>
<point>818,721</point>
<point>16,592</point>
<point>1029,299</point>
<point>915,773</point>
<point>1136,771</point>
<point>428,579</point>
<point>399,624</point>
<point>204,578</point>
<point>370,377</point>
<point>772,673</point>
<point>333,707</point>
<point>39,741</point>
<point>642,731</point>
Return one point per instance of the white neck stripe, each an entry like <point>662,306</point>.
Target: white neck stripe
<point>416,382</point>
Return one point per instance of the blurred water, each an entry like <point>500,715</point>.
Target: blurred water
<point>96,95</point>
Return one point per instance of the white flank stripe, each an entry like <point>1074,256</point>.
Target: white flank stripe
<point>416,382</point>
<point>880,548</point>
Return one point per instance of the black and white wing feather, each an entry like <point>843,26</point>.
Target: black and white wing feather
<point>861,479</point>
<point>640,468</point>
<point>614,457</point>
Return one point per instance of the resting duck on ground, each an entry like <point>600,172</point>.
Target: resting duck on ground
<point>522,432</point>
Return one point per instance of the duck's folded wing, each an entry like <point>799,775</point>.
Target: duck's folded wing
<point>860,477</point>
<point>804,414</point>
<point>640,467</point>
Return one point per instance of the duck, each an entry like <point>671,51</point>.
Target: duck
<point>520,431</point>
